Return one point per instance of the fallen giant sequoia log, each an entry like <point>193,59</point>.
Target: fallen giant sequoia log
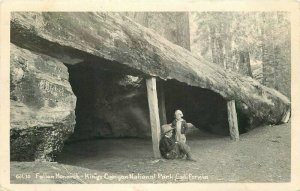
<point>126,46</point>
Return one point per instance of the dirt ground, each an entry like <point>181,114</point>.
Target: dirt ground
<point>261,155</point>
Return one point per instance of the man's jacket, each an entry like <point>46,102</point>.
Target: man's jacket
<point>167,147</point>
<point>184,126</point>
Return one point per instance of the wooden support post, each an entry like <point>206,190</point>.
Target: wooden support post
<point>232,120</point>
<point>154,114</point>
<point>162,104</point>
<point>286,116</point>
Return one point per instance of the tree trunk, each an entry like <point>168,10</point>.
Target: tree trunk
<point>244,63</point>
<point>220,52</point>
<point>213,45</point>
<point>174,26</point>
<point>227,47</point>
<point>136,50</point>
<point>276,52</point>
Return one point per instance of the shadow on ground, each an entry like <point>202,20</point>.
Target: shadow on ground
<point>261,155</point>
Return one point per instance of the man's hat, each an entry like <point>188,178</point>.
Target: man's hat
<point>166,128</point>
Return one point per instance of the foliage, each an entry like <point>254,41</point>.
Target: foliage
<point>240,41</point>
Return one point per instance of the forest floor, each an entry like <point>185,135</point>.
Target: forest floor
<point>261,155</point>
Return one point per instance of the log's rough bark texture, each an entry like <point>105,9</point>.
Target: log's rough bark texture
<point>74,37</point>
<point>174,26</point>
<point>42,106</point>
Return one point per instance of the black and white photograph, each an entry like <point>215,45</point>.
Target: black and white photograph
<point>171,97</point>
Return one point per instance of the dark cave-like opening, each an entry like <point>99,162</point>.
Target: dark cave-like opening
<point>111,103</point>
<point>204,108</point>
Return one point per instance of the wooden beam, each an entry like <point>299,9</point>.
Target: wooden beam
<point>232,120</point>
<point>162,104</point>
<point>154,114</point>
<point>286,116</point>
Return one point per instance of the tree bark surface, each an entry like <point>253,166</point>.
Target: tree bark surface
<point>136,50</point>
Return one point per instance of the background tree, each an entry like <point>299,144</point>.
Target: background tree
<point>174,26</point>
<point>256,44</point>
<point>276,51</point>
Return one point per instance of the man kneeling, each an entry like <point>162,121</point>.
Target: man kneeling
<point>170,149</point>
